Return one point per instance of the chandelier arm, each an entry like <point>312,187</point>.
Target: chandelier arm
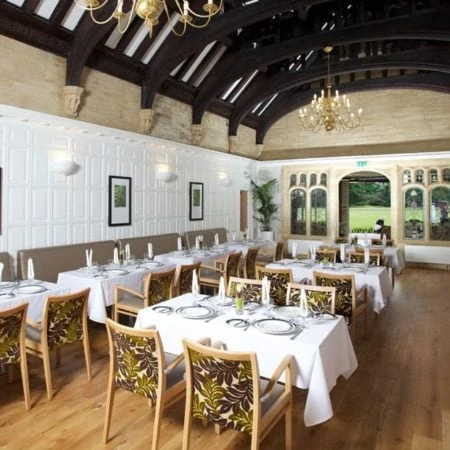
<point>101,22</point>
<point>131,13</point>
<point>203,25</point>
<point>90,8</point>
<point>169,22</point>
<point>210,13</point>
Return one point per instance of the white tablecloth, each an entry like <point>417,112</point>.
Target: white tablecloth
<point>191,257</point>
<point>322,352</point>
<point>377,278</point>
<point>35,301</point>
<point>102,289</point>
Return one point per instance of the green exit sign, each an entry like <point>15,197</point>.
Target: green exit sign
<point>361,163</point>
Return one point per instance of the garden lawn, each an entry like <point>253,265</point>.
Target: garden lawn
<point>364,217</point>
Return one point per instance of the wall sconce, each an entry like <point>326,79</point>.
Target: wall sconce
<point>62,167</point>
<point>165,176</point>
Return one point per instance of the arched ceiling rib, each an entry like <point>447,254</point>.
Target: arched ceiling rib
<point>256,61</point>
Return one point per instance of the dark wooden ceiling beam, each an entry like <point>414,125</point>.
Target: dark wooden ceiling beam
<point>427,81</point>
<point>30,5</point>
<point>434,59</point>
<point>86,36</point>
<point>236,64</point>
<point>60,12</point>
<point>175,51</point>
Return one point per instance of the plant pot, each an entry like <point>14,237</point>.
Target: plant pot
<point>266,235</point>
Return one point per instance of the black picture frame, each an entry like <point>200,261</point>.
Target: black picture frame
<point>196,201</point>
<point>119,201</point>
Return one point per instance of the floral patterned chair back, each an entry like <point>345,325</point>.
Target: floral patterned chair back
<point>183,278</point>
<point>279,279</point>
<point>139,365</point>
<point>279,251</point>
<point>345,291</point>
<point>231,266</point>
<point>12,345</point>
<point>250,263</point>
<point>158,287</point>
<point>326,254</point>
<point>64,322</point>
<point>358,257</point>
<point>320,298</point>
<point>251,289</point>
<point>224,388</point>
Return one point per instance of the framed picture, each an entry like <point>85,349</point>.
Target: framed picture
<point>195,201</point>
<point>119,201</point>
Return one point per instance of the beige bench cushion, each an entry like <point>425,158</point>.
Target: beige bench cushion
<point>162,243</point>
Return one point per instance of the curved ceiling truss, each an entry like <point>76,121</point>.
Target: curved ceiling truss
<point>256,61</point>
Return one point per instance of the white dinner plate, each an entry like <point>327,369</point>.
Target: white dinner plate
<point>31,289</point>
<point>6,295</point>
<point>195,312</point>
<point>152,264</point>
<point>288,312</point>
<point>274,326</point>
<point>6,284</point>
<point>162,309</point>
<point>116,272</point>
<point>226,301</point>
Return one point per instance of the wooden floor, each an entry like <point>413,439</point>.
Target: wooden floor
<point>399,398</point>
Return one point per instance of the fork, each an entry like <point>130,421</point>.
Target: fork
<point>299,330</point>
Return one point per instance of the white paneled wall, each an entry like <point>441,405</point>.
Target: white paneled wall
<point>41,208</point>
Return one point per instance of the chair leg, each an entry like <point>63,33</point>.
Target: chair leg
<point>288,429</point>
<point>47,373</point>
<point>187,427</point>
<point>157,424</point>
<point>87,356</point>
<point>25,380</point>
<point>108,409</point>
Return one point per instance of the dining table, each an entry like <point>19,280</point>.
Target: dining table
<point>33,292</point>
<point>103,280</point>
<point>376,278</point>
<point>321,347</point>
<point>183,257</point>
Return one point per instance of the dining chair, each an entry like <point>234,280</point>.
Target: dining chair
<point>276,255</point>
<point>183,278</point>
<point>356,256</point>
<point>210,276</point>
<point>224,388</point>
<point>349,303</point>
<point>64,322</point>
<point>12,345</point>
<point>158,287</point>
<point>326,254</point>
<point>138,364</point>
<point>251,289</point>
<point>248,269</point>
<point>7,273</point>
<point>320,298</point>
<point>279,279</point>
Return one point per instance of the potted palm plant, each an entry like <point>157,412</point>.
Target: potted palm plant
<point>265,206</point>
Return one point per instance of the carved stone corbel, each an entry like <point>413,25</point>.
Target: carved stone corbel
<point>259,149</point>
<point>232,144</point>
<point>146,116</point>
<point>197,133</point>
<point>72,100</point>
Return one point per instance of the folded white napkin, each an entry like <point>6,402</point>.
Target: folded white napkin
<point>333,236</point>
<point>89,257</point>
<point>150,250</point>
<point>384,240</point>
<point>1,270</point>
<point>127,252</point>
<point>366,256</point>
<point>216,239</point>
<point>312,250</point>
<point>197,242</point>
<point>233,235</point>
<point>294,249</point>
<point>180,244</point>
<point>349,239</point>
<point>116,256</point>
<point>221,293</point>
<point>342,252</point>
<point>30,269</point>
<point>195,287</point>
<point>265,294</point>
<point>304,311</point>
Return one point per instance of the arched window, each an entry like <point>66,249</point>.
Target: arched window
<point>298,211</point>
<point>420,176</point>
<point>313,179</point>
<point>406,176</point>
<point>292,180</point>
<point>434,176</point>
<point>414,213</point>
<point>318,217</point>
<point>439,214</point>
<point>323,179</point>
<point>303,179</point>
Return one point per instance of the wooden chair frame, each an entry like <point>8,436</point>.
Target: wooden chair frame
<point>249,263</point>
<point>133,309</point>
<point>165,396</point>
<point>22,309</point>
<point>41,348</point>
<point>231,262</point>
<point>360,303</point>
<point>262,424</point>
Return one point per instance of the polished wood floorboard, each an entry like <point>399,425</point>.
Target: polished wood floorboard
<point>399,398</point>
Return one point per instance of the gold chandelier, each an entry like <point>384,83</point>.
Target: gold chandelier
<point>150,10</point>
<point>328,111</point>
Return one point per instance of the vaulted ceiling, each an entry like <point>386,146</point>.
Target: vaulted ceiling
<point>256,61</point>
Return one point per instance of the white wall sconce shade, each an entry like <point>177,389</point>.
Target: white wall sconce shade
<point>62,167</point>
<point>165,177</point>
